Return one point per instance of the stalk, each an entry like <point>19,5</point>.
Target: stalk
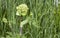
<point>21,30</point>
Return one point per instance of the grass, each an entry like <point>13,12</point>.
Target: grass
<point>45,21</point>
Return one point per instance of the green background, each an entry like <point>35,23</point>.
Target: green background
<point>45,19</point>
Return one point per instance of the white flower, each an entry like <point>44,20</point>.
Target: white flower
<point>22,9</point>
<point>17,13</point>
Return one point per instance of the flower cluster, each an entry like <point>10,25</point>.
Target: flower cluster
<point>22,10</point>
<point>4,20</point>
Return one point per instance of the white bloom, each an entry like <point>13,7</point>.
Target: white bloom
<point>22,9</point>
<point>17,13</point>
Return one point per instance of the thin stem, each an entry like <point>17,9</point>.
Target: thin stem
<point>21,30</point>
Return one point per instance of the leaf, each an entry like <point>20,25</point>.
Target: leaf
<point>24,22</point>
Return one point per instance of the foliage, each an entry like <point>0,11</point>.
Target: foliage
<point>44,16</point>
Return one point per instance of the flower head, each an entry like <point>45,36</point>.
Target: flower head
<point>22,10</point>
<point>4,20</point>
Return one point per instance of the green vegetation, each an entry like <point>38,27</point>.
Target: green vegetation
<point>43,15</point>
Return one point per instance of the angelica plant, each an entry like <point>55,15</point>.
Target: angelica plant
<point>22,10</point>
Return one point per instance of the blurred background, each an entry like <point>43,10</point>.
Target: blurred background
<point>45,19</point>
